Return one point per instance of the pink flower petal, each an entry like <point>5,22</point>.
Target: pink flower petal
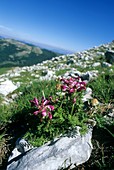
<point>46,102</point>
<point>51,107</point>
<point>34,102</point>
<point>50,115</point>
<point>36,112</point>
<point>74,100</point>
<point>44,113</point>
<point>71,90</point>
<point>64,88</point>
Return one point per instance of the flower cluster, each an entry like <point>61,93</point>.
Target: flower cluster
<point>69,89</point>
<point>43,108</point>
<point>72,85</point>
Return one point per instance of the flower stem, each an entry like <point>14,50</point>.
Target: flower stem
<point>43,94</point>
<point>72,108</point>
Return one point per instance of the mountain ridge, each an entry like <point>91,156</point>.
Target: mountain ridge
<point>41,45</point>
<point>17,53</point>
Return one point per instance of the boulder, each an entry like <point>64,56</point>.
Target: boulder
<point>47,75</point>
<point>110,117</point>
<point>68,150</point>
<point>89,75</point>
<point>70,61</point>
<point>7,87</point>
<point>105,64</point>
<point>109,56</point>
<point>96,64</point>
<point>87,94</point>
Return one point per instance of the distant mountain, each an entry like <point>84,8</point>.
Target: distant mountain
<point>16,53</point>
<point>51,48</point>
<point>41,45</point>
<point>1,37</point>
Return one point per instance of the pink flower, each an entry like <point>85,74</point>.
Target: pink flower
<point>72,84</point>
<point>82,86</point>
<point>50,107</point>
<point>44,108</point>
<point>74,100</point>
<point>43,113</point>
<point>71,90</point>
<point>64,88</point>
<point>36,112</point>
<point>50,115</point>
<point>34,102</point>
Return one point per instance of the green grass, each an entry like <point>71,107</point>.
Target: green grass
<point>61,72</point>
<point>103,88</point>
<point>4,70</point>
<point>22,102</point>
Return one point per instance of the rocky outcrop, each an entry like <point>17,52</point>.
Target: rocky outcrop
<point>68,150</point>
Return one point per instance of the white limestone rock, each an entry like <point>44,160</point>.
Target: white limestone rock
<point>89,75</point>
<point>110,117</point>
<point>7,87</point>
<point>87,94</point>
<point>96,64</point>
<point>105,64</point>
<point>69,150</point>
<point>48,75</point>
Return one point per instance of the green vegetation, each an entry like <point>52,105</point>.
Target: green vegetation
<point>3,70</point>
<point>61,72</point>
<point>103,88</point>
<point>21,110</point>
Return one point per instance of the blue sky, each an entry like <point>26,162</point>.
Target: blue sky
<point>70,24</point>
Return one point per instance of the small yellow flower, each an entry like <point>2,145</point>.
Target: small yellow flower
<point>94,102</point>
<point>58,86</point>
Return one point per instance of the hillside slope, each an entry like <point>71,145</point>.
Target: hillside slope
<point>19,85</point>
<point>15,53</point>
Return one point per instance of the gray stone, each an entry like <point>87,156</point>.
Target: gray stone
<point>7,87</point>
<point>21,147</point>
<point>110,117</point>
<point>87,94</point>
<point>89,75</point>
<point>109,56</point>
<point>96,64</point>
<point>71,61</point>
<point>69,150</point>
<point>99,53</point>
<point>47,75</point>
<point>105,64</point>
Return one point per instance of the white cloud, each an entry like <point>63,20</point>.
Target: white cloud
<point>5,28</point>
<point>9,32</point>
<point>6,31</point>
